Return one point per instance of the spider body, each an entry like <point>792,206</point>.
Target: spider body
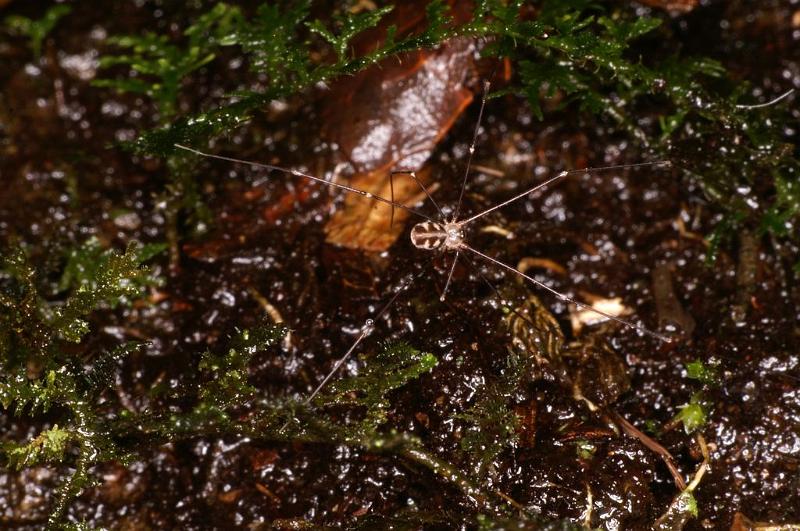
<point>430,235</point>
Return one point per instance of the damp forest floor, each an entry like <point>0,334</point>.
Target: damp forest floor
<point>165,316</point>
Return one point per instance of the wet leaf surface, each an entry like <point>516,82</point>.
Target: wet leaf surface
<point>390,118</point>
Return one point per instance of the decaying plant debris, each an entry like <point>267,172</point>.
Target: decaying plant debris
<point>146,382</point>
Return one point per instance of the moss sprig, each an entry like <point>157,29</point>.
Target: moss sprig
<point>37,30</point>
<point>42,376</point>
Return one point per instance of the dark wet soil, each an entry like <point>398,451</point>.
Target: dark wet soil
<point>614,234</point>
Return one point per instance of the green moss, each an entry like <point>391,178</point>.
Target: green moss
<point>49,446</point>
<point>40,373</point>
<point>390,369</point>
<point>706,374</point>
<point>693,415</point>
<point>585,449</point>
<point>37,30</point>
<point>31,397</point>
<point>280,43</point>
<point>31,328</point>
<point>574,53</point>
<point>116,278</point>
<point>575,57</point>
<point>158,66</point>
<point>680,511</point>
<point>226,375</point>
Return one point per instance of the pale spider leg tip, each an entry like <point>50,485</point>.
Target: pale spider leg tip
<point>366,329</point>
<point>666,339</point>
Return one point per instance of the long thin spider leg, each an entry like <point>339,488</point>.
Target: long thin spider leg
<point>561,176</point>
<point>365,331</point>
<point>413,175</point>
<point>486,86</point>
<point>449,277</point>
<point>767,104</point>
<point>297,173</point>
<point>563,297</point>
<point>391,192</point>
<point>497,293</point>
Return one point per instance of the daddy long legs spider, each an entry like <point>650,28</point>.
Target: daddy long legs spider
<point>447,234</point>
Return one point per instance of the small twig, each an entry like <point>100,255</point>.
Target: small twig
<point>273,313</point>
<point>511,501</point>
<point>631,430</point>
<point>494,172</point>
<point>684,506</point>
<point>410,448</point>
<point>587,513</point>
<point>703,466</point>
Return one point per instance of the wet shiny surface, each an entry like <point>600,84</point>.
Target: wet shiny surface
<point>610,233</point>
